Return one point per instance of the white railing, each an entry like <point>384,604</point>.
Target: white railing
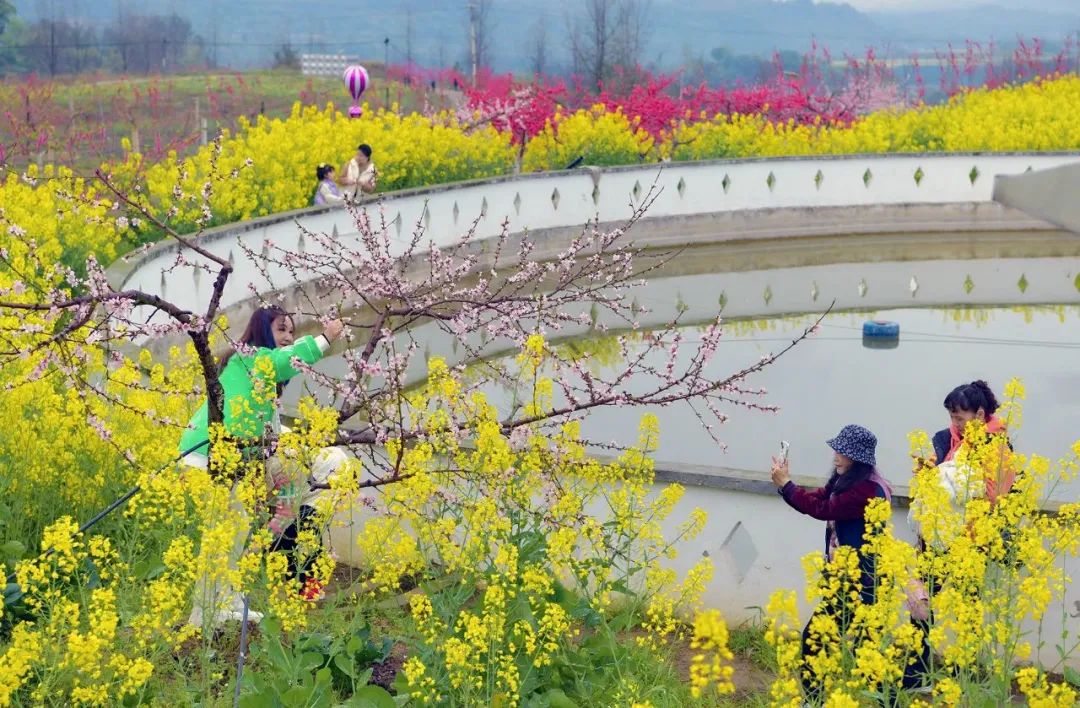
<point>571,198</point>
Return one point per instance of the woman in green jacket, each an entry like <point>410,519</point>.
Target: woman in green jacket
<point>252,377</point>
<point>251,391</point>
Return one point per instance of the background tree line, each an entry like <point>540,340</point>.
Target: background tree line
<point>132,44</point>
<point>597,37</point>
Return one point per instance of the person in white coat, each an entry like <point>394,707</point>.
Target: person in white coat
<point>360,176</point>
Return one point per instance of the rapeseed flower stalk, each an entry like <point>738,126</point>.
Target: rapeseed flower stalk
<point>1040,693</point>
<point>71,648</point>
<point>166,598</point>
<point>532,534</point>
<point>710,667</point>
<point>991,564</point>
<point>23,652</point>
<point>782,633</point>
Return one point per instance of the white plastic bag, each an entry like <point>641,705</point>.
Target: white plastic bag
<point>961,484</point>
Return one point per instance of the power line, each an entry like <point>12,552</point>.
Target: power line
<point>973,339</point>
<point>150,42</point>
<point>932,339</point>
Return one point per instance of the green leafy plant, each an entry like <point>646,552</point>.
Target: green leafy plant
<point>314,669</point>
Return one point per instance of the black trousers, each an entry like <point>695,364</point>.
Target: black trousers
<point>844,611</point>
<point>287,543</point>
<point>812,646</point>
<point>917,673</point>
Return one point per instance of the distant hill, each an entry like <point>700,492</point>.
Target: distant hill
<point>245,33</point>
<point>925,29</point>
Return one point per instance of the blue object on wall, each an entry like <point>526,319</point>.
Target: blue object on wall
<point>881,328</point>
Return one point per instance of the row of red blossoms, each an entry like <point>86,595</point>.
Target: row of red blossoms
<point>823,88</point>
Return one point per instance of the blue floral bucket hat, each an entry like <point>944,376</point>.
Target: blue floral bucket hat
<point>855,442</point>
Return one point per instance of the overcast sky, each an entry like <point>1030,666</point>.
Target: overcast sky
<point>1070,6</point>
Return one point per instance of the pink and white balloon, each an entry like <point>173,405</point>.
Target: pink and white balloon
<point>356,81</point>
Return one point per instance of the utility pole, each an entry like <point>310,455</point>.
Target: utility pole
<point>52,47</point>
<point>213,34</point>
<point>408,42</point>
<point>473,49</point>
<point>122,35</point>
<point>386,71</point>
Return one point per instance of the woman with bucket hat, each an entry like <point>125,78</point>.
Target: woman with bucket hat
<point>841,504</point>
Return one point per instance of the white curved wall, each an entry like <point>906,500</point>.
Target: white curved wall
<point>565,199</point>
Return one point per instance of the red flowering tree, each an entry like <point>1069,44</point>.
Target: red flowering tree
<point>816,93</point>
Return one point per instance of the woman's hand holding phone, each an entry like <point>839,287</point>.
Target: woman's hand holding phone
<point>779,472</point>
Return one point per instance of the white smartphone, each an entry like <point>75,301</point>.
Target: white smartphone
<point>784,447</point>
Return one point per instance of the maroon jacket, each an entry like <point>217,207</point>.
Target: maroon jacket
<point>823,505</point>
<point>845,513</point>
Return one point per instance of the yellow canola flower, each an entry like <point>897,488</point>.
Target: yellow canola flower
<point>600,136</point>
<point>536,535</point>
<point>1034,116</point>
<point>992,566</point>
<point>710,666</point>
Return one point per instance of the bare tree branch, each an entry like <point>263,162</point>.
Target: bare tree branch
<point>486,298</point>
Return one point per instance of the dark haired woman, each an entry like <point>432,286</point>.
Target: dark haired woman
<point>269,336</point>
<point>360,173</point>
<point>841,504</point>
<point>969,402</point>
<point>326,192</point>
<point>252,376</point>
